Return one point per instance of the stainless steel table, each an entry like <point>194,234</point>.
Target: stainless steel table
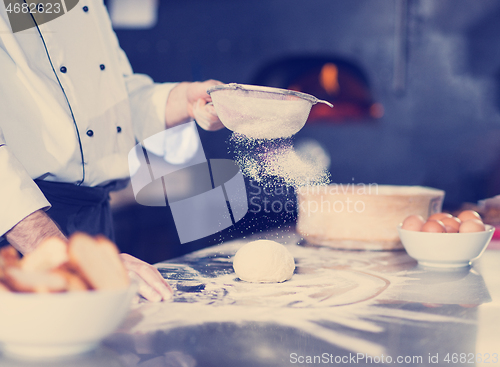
<point>339,308</point>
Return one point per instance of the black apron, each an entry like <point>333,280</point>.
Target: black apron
<point>81,208</point>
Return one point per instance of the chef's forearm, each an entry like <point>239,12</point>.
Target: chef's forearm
<point>28,233</point>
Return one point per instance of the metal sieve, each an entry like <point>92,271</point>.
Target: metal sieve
<point>262,112</point>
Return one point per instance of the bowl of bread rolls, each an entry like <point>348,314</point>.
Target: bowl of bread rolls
<point>63,298</point>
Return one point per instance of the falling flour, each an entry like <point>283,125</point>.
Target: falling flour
<point>275,161</point>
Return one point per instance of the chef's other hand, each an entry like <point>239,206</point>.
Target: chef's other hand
<point>152,286</point>
<point>199,106</point>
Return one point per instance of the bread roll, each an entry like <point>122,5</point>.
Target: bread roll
<point>73,281</point>
<point>34,281</point>
<point>51,253</point>
<point>9,256</point>
<point>97,261</point>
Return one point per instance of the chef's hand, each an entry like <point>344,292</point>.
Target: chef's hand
<point>152,286</point>
<point>189,101</point>
<point>199,106</point>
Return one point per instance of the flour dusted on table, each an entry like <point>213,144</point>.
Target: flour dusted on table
<point>275,161</point>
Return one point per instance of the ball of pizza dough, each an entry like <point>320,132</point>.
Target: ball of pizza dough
<point>264,261</point>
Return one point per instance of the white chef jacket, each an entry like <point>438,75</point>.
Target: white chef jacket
<point>71,108</point>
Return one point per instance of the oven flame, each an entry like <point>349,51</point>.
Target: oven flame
<point>329,78</point>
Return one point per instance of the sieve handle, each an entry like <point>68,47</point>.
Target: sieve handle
<point>322,101</point>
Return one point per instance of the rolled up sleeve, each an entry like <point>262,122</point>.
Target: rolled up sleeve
<point>19,195</point>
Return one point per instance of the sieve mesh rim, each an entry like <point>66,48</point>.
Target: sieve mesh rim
<point>261,91</point>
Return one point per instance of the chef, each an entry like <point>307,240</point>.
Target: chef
<point>71,109</point>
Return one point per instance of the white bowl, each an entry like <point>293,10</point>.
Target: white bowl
<point>445,250</point>
<point>36,326</point>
